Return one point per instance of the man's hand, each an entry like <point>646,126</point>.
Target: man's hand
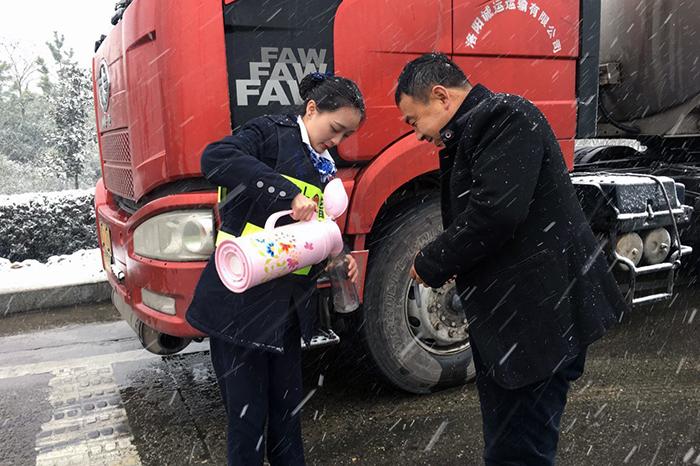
<point>303,208</point>
<point>415,276</point>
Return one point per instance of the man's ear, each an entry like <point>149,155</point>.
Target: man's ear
<point>441,94</point>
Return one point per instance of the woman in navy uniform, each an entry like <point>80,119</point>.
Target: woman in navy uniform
<point>272,163</point>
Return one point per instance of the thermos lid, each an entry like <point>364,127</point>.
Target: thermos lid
<point>335,199</point>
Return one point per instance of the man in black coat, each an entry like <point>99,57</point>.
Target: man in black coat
<point>533,280</point>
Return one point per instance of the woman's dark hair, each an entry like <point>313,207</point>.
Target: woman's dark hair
<point>330,93</point>
<point>421,74</point>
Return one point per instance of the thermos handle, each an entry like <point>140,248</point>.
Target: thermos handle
<point>272,219</point>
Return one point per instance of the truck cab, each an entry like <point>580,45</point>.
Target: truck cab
<point>170,79</point>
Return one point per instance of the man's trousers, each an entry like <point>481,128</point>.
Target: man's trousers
<point>521,426</point>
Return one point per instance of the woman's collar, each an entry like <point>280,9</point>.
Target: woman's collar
<point>305,138</point>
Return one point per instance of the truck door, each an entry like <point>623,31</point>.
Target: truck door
<point>373,41</point>
<point>523,47</point>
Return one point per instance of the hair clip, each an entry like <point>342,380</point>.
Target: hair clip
<point>316,76</point>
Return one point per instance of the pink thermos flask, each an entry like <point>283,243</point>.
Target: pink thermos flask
<point>250,260</point>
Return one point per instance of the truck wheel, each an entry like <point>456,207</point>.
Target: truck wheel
<point>416,336</point>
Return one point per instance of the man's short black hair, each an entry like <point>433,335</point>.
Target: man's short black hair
<point>426,71</point>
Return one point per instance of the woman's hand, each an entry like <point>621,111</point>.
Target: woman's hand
<point>303,208</point>
<point>352,268</point>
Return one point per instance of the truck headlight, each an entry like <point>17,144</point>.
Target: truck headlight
<point>657,245</point>
<point>184,235</point>
<point>630,246</point>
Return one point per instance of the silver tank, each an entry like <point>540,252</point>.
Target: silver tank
<point>656,44</point>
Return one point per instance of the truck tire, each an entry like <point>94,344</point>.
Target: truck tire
<point>419,349</point>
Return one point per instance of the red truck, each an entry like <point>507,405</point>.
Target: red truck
<point>173,76</point>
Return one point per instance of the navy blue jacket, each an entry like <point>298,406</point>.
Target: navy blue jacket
<point>534,281</point>
<point>250,164</point>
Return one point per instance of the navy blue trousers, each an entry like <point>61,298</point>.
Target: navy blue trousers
<point>521,426</point>
<point>258,386</point>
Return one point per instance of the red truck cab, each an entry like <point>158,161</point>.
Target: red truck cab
<point>172,77</point>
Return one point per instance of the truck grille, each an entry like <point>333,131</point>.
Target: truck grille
<point>116,155</point>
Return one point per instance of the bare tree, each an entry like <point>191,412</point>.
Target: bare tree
<point>23,110</point>
<point>4,77</point>
<point>21,73</point>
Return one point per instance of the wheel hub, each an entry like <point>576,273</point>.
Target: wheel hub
<point>436,319</point>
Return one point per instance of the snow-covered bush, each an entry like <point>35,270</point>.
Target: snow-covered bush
<point>40,225</point>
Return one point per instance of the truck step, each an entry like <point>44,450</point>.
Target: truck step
<point>326,337</point>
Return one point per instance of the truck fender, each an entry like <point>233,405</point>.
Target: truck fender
<point>404,160</point>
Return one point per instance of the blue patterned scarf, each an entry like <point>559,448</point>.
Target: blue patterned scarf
<point>326,168</point>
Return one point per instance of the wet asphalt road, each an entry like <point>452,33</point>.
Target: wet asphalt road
<point>84,392</point>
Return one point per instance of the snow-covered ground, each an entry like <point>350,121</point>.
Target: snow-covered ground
<point>84,266</point>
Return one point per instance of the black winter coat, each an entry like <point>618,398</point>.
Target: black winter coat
<point>250,164</point>
<point>534,281</point>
